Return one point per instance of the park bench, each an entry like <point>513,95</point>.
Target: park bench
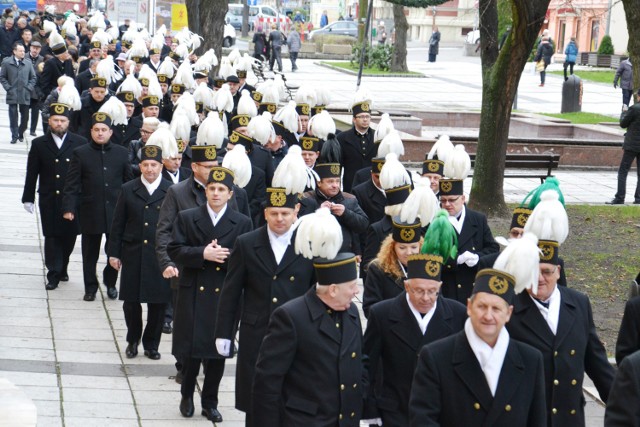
<point>530,164</point>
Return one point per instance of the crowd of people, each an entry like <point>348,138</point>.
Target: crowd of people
<point>243,222</point>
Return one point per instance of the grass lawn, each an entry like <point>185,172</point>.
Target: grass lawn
<point>374,71</point>
<point>583,118</point>
<point>601,259</point>
<point>594,76</point>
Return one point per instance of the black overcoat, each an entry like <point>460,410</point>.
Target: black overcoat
<point>94,179</point>
<point>371,200</point>
<point>622,408</point>
<point>257,284</point>
<point>50,164</point>
<point>450,389</point>
<point>379,286</point>
<point>357,152</point>
<point>307,373</point>
<point>393,340</point>
<point>629,334</point>
<point>572,352</point>
<point>200,280</point>
<point>81,119</point>
<point>52,70</point>
<point>132,240</point>
<point>475,237</point>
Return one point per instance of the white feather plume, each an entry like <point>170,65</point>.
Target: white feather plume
<point>521,259</point>
<point>102,36</point>
<point>384,128</point>
<point>279,84</point>
<point>226,69</point>
<point>224,99</point>
<point>393,173</point>
<point>318,235</point>
<point>50,27</point>
<point>184,76</point>
<point>167,68</point>
<point>270,92</point>
<point>163,138</point>
<point>246,104</point>
<point>204,95</point>
<point>114,33</point>
<point>97,21</point>
<point>107,70</point>
<point>182,50</point>
<point>55,38</point>
<point>238,161</point>
<point>261,129</point>
<point>322,125</point>
<point>154,88</point>
<point>291,173</point>
<point>422,204</point>
<point>323,95</point>
<point>69,27</point>
<point>458,164</point>
<point>211,131</point>
<point>69,95</point>
<point>180,125</point>
<point>549,220</point>
<point>441,148</point>
<point>188,105</point>
<point>392,143</point>
<point>360,96</point>
<point>234,56</point>
<point>306,94</point>
<point>116,109</point>
<point>131,84</point>
<point>288,116</point>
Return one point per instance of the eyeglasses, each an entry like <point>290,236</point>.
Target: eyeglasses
<point>363,117</point>
<point>548,273</point>
<point>449,201</point>
<point>421,293</point>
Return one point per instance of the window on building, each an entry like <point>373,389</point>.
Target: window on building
<point>561,36</point>
<point>595,35</point>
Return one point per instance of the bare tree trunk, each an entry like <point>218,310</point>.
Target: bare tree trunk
<point>501,71</point>
<point>206,18</point>
<point>193,14</point>
<point>399,59</point>
<point>632,14</point>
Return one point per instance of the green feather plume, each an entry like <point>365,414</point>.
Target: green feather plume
<point>550,183</point>
<point>441,238</point>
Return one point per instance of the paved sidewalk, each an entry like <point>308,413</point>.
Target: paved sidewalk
<point>67,355</point>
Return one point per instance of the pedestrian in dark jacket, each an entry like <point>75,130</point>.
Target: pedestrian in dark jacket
<point>294,43</point>
<point>624,74</point>
<point>276,40</point>
<point>19,79</point>
<point>571,54</point>
<point>629,120</point>
<point>36,95</point>
<point>434,44</point>
<point>260,50</point>
<point>544,53</point>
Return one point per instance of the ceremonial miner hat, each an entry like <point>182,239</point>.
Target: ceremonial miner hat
<point>550,224</point>
<point>376,164</point>
<point>424,266</point>
<point>98,82</point>
<point>548,251</point>
<point>239,138</point>
<point>151,152</point>
<point>203,153</point>
<point>318,109</point>
<point>309,143</point>
<point>303,109</point>
<point>256,96</point>
<point>57,109</point>
<point>520,217</point>
<point>495,282</point>
<point>126,97</point>
<point>182,145</point>
<point>218,82</point>
<point>278,198</point>
<point>456,168</point>
<point>177,89</point>
<point>361,102</point>
<point>433,166</point>
<point>150,101</point>
<point>101,118</point>
<point>239,120</point>
<point>221,175</point>
<point>271,107</point>
<point>96,44</point>
<point>403,232</point>
<point>328,170</point>
<point>162,78</point>
<point>341,269</point>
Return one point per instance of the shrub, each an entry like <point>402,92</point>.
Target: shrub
<point>322,39</point>
<point>606,46</point>
<point>378,56</point>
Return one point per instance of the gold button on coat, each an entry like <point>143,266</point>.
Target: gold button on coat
<point>574,382</point>
<point>556,382</point>
<point>554,411</point>
<point>353,355</point>
<point>275,300</point>
<point>217,289</point>
<point>476,406</point>
<point>341,386</point>
<point>572,352</point>
<point>292,278</point>
<point>201,288</point>
<point>507,408</point>
<point>573,412</point>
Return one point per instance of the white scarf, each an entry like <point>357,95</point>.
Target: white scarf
<point>490,359</point>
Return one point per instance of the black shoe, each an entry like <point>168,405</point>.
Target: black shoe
<point>212,414</point>
<point>13,141</point>
<point>186,407</point>
<point>33,134</point>
<point>166,328</point>
<point>615,202</point>
<point>21,139</point>
<point>178,377</point>
<point>51,286</point>
<point>112,293</point>
<point>90,296</point>
<point>132,350</point>
<point>64,277</point>
<point>152,354</point>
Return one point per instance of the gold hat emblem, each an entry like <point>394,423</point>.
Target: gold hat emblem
<point>144,81</point>
<point>335,170</point>
<point>257,96</point>
<point>445,186</point>
<point>210,154</point>
<point>307,144</point>
<point>102,82</point>
<point>522,219</point>
<point>305,109</point>
<point>234,138</point>
<point>407,234</point>
<point>243,120</point>
<point>271,108</point>
<point>380,165</point>
<point>364,106</point>
<point>153,99</point>
<point>278,198</point>
<point>175,88</point>
<point>498,285</point>
<point>150,151</point>
<point>433,167</point>
<point>59,109</point>
<point>129,96</point>
<point>219,175</point>
<point>100,117</point>
<point>547,252</point>
<point>181,145</point>
<point>432,268</point>
<point>162,78</point>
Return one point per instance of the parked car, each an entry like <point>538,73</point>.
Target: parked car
<point>229,35</point>
<point>338,28</point>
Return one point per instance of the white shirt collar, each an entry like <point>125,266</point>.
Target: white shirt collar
<point>423,322</point>
<point>280,243</point>
<point>59,141</point>
<point>175,176</point>
<point>490,359</point>
<point>457,223</point>
<point>215,217</point>
<point>552,314</point>
<point>151,186</point>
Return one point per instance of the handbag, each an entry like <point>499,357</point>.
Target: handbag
<point>540,66</point>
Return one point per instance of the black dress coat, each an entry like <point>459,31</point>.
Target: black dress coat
<point>52,70</point>
<point>475,237</point>
<point>379,286</point>
<point>450,389</point>
<point>51,164</point>
<point>393,340</point>
<point>308,373</point>
<point>124,134</point>
<point>629,335</point>
<point>371,200</point>
<point>94,179</point>
<point>255,286</point>
<point>201,281</point>
<point>261,159</point>
<point>622,408</point>
<point>183,175</point>
<point>572,352</point>
<point>166,108</point>
<point>132,240</point>
<point>353,221</point>
<point>376,233</point>
<point>256,191</point>
<point>357,152</point>
<point>81,119</point>
<point>83,81</point>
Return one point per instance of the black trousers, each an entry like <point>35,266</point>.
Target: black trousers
<point>90,254</point>
<point>17,130</point>
<point>623,171</point>
<point>213,371</point>
<point>293,56</point>
<point>56,255</point>
<point>276,56</point>
<point>35,114</point>
<point>153,329</point>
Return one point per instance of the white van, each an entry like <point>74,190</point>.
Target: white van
<point>258,15</point>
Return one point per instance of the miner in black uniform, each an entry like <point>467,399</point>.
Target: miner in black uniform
<point>201,241</point>
<point>124,134</point>
<point>132,250</point>
<point>309,370</point>
<point>91,103</point>
<point>173,171</point>
<point>434,170</point>
<point>480,376</point>
<point>396,331</point>
<point>267,252</point>
<point>96,174</point>
<point>54,68</point>
<point>165,105</point>
<point>48,162</point>
<point>370,194</point>
<point>357,143</point>
<point>622,407</point>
